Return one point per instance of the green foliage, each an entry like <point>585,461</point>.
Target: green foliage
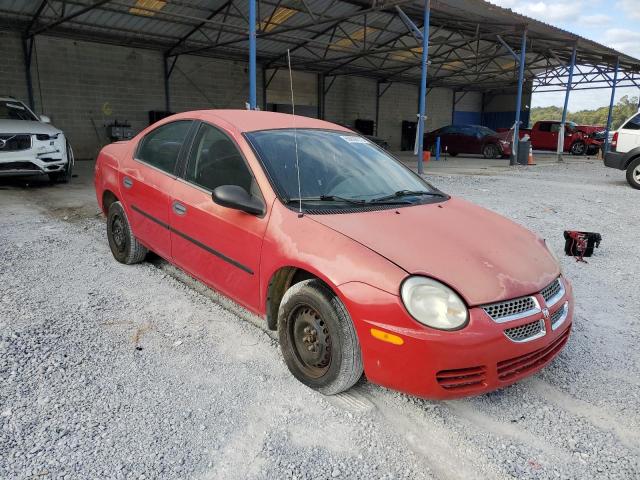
<point>622,110</point>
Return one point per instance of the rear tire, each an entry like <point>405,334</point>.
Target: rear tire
<point>124,246</point>
<point>317,338</point>
<point>490,151</point>
<point>633,173</point>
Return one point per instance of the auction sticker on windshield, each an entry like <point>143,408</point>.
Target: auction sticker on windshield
<point>353,139</point>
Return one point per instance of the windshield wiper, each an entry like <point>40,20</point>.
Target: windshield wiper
<point>328,198</point>
<point>405,193</point>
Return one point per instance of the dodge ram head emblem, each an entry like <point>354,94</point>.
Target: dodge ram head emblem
<point>545,312</point>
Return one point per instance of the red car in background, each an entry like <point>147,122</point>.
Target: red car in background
<point>578,139</point>
<point>469,139</point>
<point>356,261</point>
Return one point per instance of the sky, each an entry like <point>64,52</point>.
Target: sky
<point>613,23</point>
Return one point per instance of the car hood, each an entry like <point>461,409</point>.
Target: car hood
<point>482,255</point>
<point>506,136</point>
<point>27,126</point>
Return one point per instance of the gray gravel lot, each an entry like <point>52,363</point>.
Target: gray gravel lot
<point>113,371</point>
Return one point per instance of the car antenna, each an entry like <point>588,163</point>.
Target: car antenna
<point>295,134</point>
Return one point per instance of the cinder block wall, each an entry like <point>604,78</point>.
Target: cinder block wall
<point>12,76</point>
<point>84,85</point>
<point>198,83</point>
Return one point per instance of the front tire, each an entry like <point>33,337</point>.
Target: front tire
<point>124,246</point>
<point>633,173</point>
<point>578,148</point>
<point>490,151</point>
<point>317,338</point>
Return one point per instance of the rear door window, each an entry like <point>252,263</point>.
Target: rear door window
<point>544,127</point>
<point>161,147</point>
<point>633,124</point>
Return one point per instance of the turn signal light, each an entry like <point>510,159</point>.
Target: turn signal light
<point>386,337</point>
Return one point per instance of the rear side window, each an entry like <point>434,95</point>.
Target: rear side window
<point>215,161</point>
<point>162,146</point>
<point>633,124</point>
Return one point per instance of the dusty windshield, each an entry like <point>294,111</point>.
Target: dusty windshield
<point>14,111</point>
<point>337,167</point>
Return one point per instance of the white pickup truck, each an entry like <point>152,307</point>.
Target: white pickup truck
<point>625,150</point>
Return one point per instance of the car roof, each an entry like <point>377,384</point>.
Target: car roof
<point>253,120</point>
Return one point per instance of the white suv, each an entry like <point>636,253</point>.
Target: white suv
<point>29,145</point>
<point>625,150</point>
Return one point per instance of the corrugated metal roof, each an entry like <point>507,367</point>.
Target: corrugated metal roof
<point>464,51</point>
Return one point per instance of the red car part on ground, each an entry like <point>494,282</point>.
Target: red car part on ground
<point>518,307</point>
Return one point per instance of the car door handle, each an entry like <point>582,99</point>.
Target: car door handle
<point>179,208</point>
<point>127,182</point>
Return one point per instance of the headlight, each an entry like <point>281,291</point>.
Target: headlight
<point>433,304</point>
<point>46,136</point>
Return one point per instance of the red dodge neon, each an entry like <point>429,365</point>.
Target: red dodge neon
<point>360,264</point>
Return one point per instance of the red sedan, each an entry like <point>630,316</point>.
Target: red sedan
<point>360,264</point>
<point>465,139</point>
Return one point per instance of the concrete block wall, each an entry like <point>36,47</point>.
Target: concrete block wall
<point>12,75</point>
<point>399,103</point>
<point>198,83</point>
<point>84,85</point>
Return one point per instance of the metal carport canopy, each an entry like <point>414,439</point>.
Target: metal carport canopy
<point>471,42</point>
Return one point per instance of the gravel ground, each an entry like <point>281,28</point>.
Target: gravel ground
<point>112,371</point>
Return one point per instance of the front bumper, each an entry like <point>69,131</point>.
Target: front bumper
<point>43,157</point>
<point>441,365</point>
<point>615,160</point>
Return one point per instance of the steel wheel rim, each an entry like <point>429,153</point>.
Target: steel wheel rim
<point>310,340</point>
<point>118,233</point>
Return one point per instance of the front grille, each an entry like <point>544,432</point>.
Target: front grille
<point>462,378</point>
<point>559,316</point>
<point>552,292</point>
<point>18,166</point>
<point>527,332</point>
<point>515,367</point>
<point>13,143</point>
<point>519,307</point>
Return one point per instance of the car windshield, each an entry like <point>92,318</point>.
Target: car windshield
<point>486,131</point>
<point>337,167</point>
<point>14,111</point>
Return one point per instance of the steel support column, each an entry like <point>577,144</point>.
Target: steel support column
<point>566,105</point>
<point>516,128</point>
<point>264,87</point>
<point>423,83</point>
<point>167,96</point>
<point>320,93</point>
<point>252,54</point>
<point>27,50</point>
<point>610,115</point>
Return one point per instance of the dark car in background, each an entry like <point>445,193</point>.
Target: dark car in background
<point>470,139</point>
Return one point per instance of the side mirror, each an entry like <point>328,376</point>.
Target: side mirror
<point>45,119</point>
<point>237,198</point>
